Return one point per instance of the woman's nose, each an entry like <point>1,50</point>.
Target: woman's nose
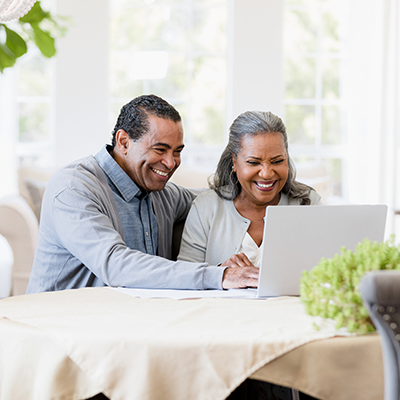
<point>266,172</point>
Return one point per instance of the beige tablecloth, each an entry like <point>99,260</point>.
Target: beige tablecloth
<point>342,368</point>
<point>74,344</point>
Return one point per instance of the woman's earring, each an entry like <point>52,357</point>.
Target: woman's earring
<point>230,178</point>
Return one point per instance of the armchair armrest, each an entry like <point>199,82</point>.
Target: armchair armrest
<point>19,226</point>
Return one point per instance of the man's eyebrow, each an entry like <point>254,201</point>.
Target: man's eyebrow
<point>167,146</point>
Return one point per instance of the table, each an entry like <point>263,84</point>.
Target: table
<point>77,343</point>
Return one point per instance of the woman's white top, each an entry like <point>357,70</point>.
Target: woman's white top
<point>252,251</point>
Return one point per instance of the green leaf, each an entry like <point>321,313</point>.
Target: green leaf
<point>15,43</point>
<point>35,15</point>
<point>6,59</point>
<point>39,27</point>
<point>43,41</point>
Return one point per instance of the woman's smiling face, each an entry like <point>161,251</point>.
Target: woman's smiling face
<point>262,168</point>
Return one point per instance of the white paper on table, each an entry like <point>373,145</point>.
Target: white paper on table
<point>187,294</point>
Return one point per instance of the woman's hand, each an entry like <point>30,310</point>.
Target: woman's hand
<point>241,273</point>
<point>237,260</point>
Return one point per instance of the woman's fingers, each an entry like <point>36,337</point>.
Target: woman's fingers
<point>238,260</point>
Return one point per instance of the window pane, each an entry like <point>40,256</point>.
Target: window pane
<point>300,124</point>
<point>204,72</point>
<point>324,175</point>
<point>33,122</point>
<point>330,31</point>
<point>208,123</point>
<point>210,3</point>
<point>302,34</point>
<point>124,33</point>
<point>299,78</point>
<point>330,78</point>
<point>148,27</point>
<point>121,85</point>
<point>41,159</point>
<point>331,127</point>
<point>34,76</point>
<point>209,27</point>
<point>307,3</point>
<point>174,33</point>
<point>174,85</point>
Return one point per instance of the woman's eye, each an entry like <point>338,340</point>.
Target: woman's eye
<point>277,161</point>
<point>252,162</point>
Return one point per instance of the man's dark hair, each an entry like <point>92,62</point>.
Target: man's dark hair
<point>133,117</point>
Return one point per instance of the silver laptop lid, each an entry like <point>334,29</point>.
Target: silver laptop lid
<point>297,237</point>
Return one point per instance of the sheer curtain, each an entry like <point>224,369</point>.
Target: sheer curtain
<point>373,93</point>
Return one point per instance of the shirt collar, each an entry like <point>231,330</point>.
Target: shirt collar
<point>117,175</point>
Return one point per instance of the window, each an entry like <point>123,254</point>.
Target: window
<point>314,95</point>
<point>33,88</point>
<point>177,50</point>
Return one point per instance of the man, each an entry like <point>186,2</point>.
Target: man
<point>108,219</point>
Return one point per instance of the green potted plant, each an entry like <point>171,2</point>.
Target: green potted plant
<point>330,289</point>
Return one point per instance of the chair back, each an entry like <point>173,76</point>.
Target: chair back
<point>380,291</point>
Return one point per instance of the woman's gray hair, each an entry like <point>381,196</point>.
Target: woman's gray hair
<point>225,182</point>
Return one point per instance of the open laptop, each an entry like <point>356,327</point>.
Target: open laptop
<point>297,237</point>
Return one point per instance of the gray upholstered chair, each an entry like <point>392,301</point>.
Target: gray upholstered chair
<point>381,294</point>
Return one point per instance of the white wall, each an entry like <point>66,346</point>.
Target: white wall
<point>255,57</point>
<point>80,98</point>
<point>8,122</point>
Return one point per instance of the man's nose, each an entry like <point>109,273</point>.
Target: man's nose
<point>169,161</point>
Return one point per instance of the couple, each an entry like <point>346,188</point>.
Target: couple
<point>108,220</point>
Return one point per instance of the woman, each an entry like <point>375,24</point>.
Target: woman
<point>254,172</point>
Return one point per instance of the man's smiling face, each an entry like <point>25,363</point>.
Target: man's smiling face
<point>151,161</point>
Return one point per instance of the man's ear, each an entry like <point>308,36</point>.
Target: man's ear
<point>122,141</point>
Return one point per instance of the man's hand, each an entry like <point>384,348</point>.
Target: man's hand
<point>241,273</point>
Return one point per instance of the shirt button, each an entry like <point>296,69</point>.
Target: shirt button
<point>147,233</point>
